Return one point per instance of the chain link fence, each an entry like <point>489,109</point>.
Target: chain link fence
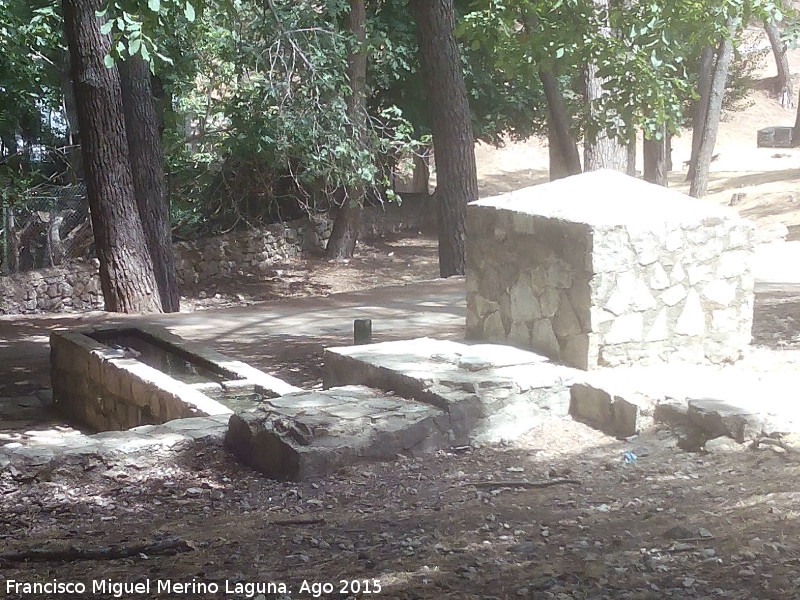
<point>50,226</point>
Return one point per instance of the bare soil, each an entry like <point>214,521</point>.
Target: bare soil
<point>656,523</point>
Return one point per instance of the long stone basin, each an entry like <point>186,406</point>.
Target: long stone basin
<point>115,378</point>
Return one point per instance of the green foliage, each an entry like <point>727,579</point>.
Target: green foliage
<point>264,109</point>
<point>136,25</point>
<point>30,38</point>
<point>644,49</point>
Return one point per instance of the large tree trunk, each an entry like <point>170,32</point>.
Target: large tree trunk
<point>144,149</point>
<point>601,151</point>
<point>565,159</point>
<point>344,235</point>
<point>783,81</point>
<point>126,273</point>
<point>655,160</point>
<point>699,184</point>
<point>700,106</point>
<point>451,124</point>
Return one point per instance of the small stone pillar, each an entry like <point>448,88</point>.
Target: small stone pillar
<point>602,269</point>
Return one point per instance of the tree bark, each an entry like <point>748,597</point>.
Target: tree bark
<point>12,241</point>
<point>451,125</point>
<point>144,150</point>
<point>601,151</point>
<point>700,108</point>
<point>630,148</point>
<point>126,273</point>
<point>344,235</point>
<point>699,184</point>
<point>565,159</point>
<point>783,81</point>
<point>655,160</point>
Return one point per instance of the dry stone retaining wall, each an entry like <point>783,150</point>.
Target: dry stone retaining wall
<point>76,286</point>
<point>602,269</point>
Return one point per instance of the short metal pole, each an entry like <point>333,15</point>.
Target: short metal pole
<point>362,331</point>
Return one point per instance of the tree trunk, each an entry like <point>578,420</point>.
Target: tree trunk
<point>783,81</point>
<point>655,160</point>
<point>599,150</point>
<point>12,241</point>
<point>704,71</point>
<point>451,125</point>
<point>668,150</point>
<point>144,150</point>
<point>699,184</point>
<point>74,158</point>
<point>126,273</point>
<point>344,235</point>
<point>565,159</point>
<point>631,150</point>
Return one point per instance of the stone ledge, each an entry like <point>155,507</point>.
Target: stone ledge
<point>491,392</point>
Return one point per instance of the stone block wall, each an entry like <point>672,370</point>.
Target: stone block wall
<point>602,269</point>
<point>77,286</point>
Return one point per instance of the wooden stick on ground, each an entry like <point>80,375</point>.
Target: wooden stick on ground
<point>528,485</point>
<point>167,546</point>
<point>300,520</point>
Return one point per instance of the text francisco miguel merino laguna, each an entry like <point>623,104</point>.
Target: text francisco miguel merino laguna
<point>120,589</point>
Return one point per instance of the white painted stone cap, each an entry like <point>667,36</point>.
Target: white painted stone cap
<point>608,198</point>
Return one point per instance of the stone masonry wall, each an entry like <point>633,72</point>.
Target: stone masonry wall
<point>76,286</point>
<point>603,269</point>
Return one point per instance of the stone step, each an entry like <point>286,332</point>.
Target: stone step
<point>311,434</point>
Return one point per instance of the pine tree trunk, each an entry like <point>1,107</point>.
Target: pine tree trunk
<point>451,124</point>
<point>700,108</point>
<point>699,184</point>
<point>126,273</point>
<point>344,235</point>
<point>565,159</point>
<point>144,147</point>
<point>783,81</point>
<point>655,160</point>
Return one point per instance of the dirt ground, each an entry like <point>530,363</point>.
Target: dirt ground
<point>598,518</point>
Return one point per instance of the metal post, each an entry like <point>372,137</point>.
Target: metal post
<point>362,331</point>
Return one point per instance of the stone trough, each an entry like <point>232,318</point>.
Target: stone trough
<point>116,378</point>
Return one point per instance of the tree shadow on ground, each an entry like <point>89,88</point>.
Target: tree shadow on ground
<point>776,320</point>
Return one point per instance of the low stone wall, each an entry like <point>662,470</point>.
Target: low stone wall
<point>603,269</point>
<point>239,253</point>
<point>76,286</point>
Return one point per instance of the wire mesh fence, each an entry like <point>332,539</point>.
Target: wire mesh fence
<point>48,227</point>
